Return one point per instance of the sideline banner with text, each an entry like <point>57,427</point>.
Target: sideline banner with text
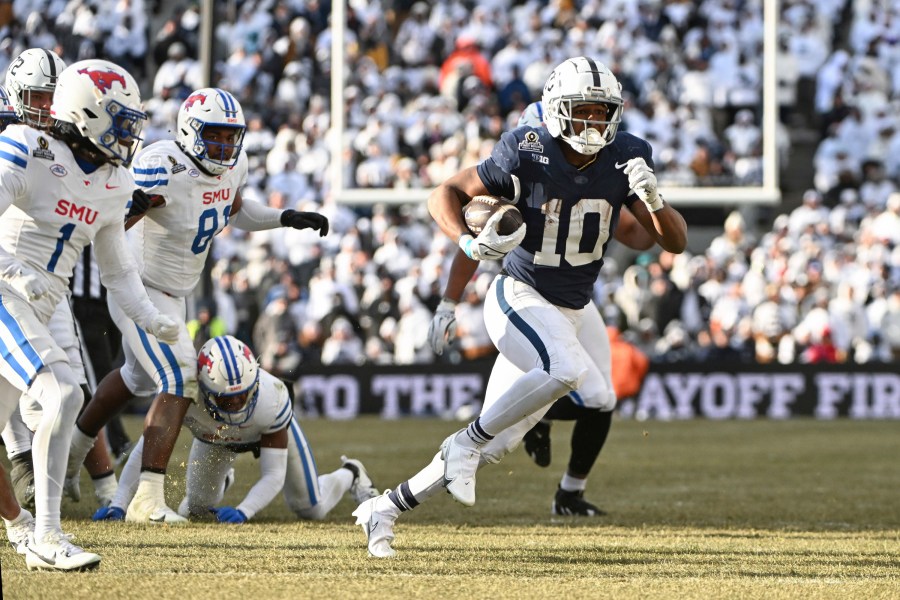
<point>670,391</point>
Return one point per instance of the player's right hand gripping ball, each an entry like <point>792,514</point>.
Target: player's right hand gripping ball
<point>489,218</point>
<point>481,208</point>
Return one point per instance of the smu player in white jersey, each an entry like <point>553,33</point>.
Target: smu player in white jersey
<point>245,409</point>
<point>570,181</point>
<point>19,522</point>
<point>31,77</point>
<point>60,191</point>
<point>592,424</point>
<point>196,180</point>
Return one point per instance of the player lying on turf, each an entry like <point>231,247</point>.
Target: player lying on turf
<point>245,409</point>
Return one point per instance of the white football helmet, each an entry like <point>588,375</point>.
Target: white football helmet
<point>34,70</point>
<point>7,111</point>
<point>229,379</point>
<point>210,107</point>
<point>577,81</point>
<point>103,101</point>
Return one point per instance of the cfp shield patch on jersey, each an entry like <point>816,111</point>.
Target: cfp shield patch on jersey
<point>177,167</point>
<point>531,143</point>
<point>43,151</point>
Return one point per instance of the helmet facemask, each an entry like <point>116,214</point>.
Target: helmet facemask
<point>103,103</point>
<point>212,154</point>
<point>203,110</point>
<point>34,72</point>
<point>123,137</point>
<point>32,114</point>
<point>234,408</point>
<point>590,140</point>
<point>228,376</point>
<point>576,82</point>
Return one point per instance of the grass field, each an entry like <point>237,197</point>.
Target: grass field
<point>698,509</point>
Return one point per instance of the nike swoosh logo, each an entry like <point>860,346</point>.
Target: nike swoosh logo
<point>623,165</point>
<point>372,527</point>
<point>161,519</point>
<point>50,560</point>
<point>112,187</point>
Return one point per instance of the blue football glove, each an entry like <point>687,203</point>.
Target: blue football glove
<point>229,514</point>
<point>109,513</point>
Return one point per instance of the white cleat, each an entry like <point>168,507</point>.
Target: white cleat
<point>56,552</point>
<point>377,516</point>
<point>21,535</point>
<point>362,488</point>
<point>145,509</point>
<point>72,487</point>
<point>460,465</point>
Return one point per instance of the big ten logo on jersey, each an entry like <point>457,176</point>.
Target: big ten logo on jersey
<point>67,208</point>
<point>223,195</point>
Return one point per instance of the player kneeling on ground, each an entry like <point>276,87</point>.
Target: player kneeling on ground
<point>245,409</point>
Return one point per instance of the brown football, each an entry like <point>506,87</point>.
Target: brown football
<point>481,208</point>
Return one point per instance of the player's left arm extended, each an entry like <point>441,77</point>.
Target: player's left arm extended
<point>250,215</point>
<point>273,458</point>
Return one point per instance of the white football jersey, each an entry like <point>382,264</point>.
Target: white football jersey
<point>273,413</point>
<point>54,209</point>
<point>171,242</point>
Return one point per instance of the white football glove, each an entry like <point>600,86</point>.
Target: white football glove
<point>642,180</point>
<point>442,330</point>
<point>28,283</point>
<point>163,328</point>
<point>490,245</point>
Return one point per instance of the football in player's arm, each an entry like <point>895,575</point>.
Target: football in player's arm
<point>591,425</point>
<point>570,181</point>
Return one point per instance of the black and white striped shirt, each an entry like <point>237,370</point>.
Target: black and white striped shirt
<point>85,282</point>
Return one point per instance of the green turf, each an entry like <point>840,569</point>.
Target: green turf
<point>698,509</point>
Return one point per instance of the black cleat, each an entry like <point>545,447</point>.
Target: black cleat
<point>22,477</point>
<point>569,504</point>
<point>537,443</point>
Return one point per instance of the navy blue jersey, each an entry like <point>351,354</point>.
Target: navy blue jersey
<point>570,213</point>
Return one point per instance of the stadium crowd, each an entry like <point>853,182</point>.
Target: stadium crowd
<point>430,85</point>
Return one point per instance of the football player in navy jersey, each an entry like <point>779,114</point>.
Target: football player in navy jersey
<point>592,425</point>
<point>570,181</point>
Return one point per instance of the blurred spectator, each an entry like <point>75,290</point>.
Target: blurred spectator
<point>206,325</point>
<point>178,75</point>
<point>343,346</point>
<point>474,341</point>
<point>630,365</point>
<point>807,215</point>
